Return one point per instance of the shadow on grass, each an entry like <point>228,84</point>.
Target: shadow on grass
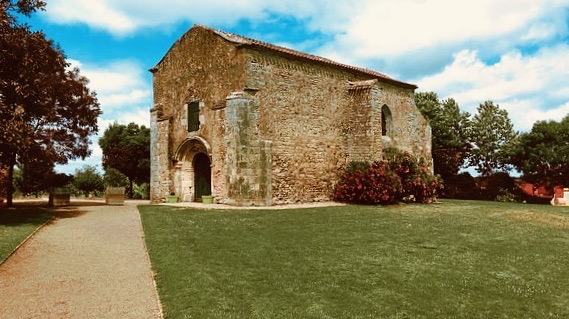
<point>21,215</point>
<point>25,210</point>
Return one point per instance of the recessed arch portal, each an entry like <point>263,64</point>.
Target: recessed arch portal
<point>202,175</point>
<point>192,169</point>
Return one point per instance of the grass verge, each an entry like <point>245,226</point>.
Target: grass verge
<point>16,225</point>
<point>457,259</point>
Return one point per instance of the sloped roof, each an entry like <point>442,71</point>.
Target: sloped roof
<point>244,41</point>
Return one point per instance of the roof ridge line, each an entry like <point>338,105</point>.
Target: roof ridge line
<point>242,40</point>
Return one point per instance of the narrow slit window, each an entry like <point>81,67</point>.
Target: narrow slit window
<point>386,121</point>
<point>193,116</point>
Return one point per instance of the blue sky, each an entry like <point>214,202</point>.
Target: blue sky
<point>515,53</point>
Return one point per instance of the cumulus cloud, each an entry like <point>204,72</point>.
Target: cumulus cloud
<point>530,88</point>
<point>524,113</point>
<point>140,116</point>
<point>98,14</point>
<point>389,28</point>
<point>410,38</point>
<point>123,17</point>
<point>367,28</point>
<point>124,95</point>
<point>118,84</point>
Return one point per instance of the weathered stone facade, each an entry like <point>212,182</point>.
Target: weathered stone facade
<point>278,126</point>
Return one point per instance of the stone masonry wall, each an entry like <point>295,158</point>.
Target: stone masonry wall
<point>248,158</point>
<point>199,67</point>
<point>289,132</point>
<point>318,122</point>
<point>411,132</point>
<point>315,125</point>
<point>160,183</point>
<point>357,128</point>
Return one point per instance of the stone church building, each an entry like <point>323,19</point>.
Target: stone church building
<point>253,123</point>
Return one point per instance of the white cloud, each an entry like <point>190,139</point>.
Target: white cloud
<point>124,96</point>
<point>410,38</point>
<point>98,14</point>
<point>366,28</point>
<point>118,84</point>
<point>139,116</point>
<point>539,32</point>
<point>524,112</point>
<point>530,88</point>
<point>123,17</point>
<point>388,28</point>
<point>133,96</point>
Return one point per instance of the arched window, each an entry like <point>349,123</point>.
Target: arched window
<point>386,121</point>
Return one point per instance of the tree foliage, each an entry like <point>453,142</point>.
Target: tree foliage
<point>543,153</point>
<point>491,133</point>
<point>24,7</point>
<point>114,178</point>
<point>35,179</point>
<point>47,111</point>
<point>88,180</point>
<point>31,180</point>
<point>126,148</point>
<point>450,132</point>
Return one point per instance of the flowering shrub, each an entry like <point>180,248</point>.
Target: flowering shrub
<point>378,184</point>
<point>418,183</point>
<point>400,177</point>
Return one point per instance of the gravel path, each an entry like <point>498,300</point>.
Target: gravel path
<point>90,262</point>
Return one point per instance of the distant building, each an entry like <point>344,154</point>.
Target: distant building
<point>257,124</point>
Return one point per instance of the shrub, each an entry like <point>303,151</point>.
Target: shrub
<point>418,183</point>
<point>499,182</point>
<point>461,186</point>
<point>400,177</point>
<point>378,184</point>
<point>505,196</point>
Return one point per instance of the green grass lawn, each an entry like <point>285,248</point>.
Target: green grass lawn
<point>456,259</point>
<point>16,225</point>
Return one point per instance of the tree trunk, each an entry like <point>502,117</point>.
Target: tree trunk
<point>10,186</point>
<point>130,190</point>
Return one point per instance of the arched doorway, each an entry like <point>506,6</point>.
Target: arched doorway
<point>192,169</point>
<point>202,175</point>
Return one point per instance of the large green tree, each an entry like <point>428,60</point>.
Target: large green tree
<point>450,127</point>
<point>126,148</point>
<point>542,154</point>
<point>36,178</point>
<point>88,180</point>
<point>31,179</point>
<point>47,111</point>
<point>114,178</point>
<point>491,133</point>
